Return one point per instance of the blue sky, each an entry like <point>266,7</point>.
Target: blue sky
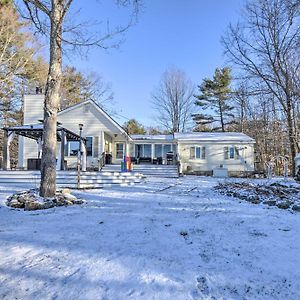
<point>181,33</point>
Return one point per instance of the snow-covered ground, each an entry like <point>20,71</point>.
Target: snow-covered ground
<point>162,239</point>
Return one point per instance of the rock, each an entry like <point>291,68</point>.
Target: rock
<point>68,202</point>
<point>23,199</point>
<point>78,201</point>
<point>33,205</point>
<point>30,200</point>
<point>69,197</point>
<point>254,199</point>
<point>270,202</point>
<point>296,207</point>
<point>48,204</point>
<point>16,204</point>
<point>66,191</point>
<point>284,204</point>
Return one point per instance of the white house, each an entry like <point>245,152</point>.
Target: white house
<point>198,153</point>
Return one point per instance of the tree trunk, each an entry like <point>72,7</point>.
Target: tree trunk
<point>48,165</point>
<point>291,135</point>
<point>221,116</point>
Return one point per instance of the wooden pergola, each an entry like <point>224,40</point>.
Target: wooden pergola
<point>35,132</point>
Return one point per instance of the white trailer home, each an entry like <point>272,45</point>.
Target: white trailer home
<point>197,153</point>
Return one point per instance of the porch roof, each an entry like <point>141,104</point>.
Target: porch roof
<point>35,131</point>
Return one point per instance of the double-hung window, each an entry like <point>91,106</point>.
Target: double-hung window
<point>119,150</point>
<point>231,152</point>
<point>197,152</point>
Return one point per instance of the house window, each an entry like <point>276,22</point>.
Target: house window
<point>143,150</point>
<point>231,152</point>
<point>166,149</point>
<point>158,150</point>
<point>119,150</point>
<point>73,148</point>
<point>197,152</point>
<point>89,146</point>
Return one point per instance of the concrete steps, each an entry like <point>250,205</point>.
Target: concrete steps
<point>164,171</point>
<point>69,179</point>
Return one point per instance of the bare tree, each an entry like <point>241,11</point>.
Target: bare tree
<point>49,18</point>
<point>77,87</point>
<point>265,46</point>
<point>173,100</point>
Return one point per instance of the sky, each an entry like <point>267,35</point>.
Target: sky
<point>169,33</point>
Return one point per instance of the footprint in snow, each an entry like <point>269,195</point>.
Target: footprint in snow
<point>202,285</point>
<point>202,288</point>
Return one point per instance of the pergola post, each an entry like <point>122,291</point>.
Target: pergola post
<point>6,165</point>
<point>62,150</point>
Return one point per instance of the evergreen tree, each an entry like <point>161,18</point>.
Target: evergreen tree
<point>215,98</point>
<point>134,127</point>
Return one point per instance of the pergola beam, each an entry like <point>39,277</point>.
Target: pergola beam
<point>35,132</point>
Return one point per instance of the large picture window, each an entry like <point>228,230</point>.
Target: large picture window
<point>143,150</point>
<point>158,150</point>
<point>119,150</point>
<point>166,149</point>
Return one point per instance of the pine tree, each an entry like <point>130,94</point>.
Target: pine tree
<point>215,98</point>
<point>134,127</point>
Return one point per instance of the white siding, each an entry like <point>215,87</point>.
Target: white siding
<point>33,109</point>
<point>33,112</point>
<point>94,122</point>
<point>215,157</point>
<point>30,150</point>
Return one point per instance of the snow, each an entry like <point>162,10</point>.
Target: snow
<point>161,239</point>
<point>214,136</point>
<point>198,137</point>
<point>39,126</point>
<point>164,137</point>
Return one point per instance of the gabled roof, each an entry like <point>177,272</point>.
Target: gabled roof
<point>214,137</point>
<point>100,110</point>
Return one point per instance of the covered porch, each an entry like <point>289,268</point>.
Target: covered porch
<point>34,132</point>
<point>154,149</point>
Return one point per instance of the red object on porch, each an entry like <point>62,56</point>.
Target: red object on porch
<point>126,164</point>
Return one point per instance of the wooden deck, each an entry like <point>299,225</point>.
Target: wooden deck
<point>68,179</point>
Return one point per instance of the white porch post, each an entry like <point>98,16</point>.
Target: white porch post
<point>9,136</point>
<point>102,143</point>
<point>83,156</point>
<point>127,149</point>
<point>152,151</point>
